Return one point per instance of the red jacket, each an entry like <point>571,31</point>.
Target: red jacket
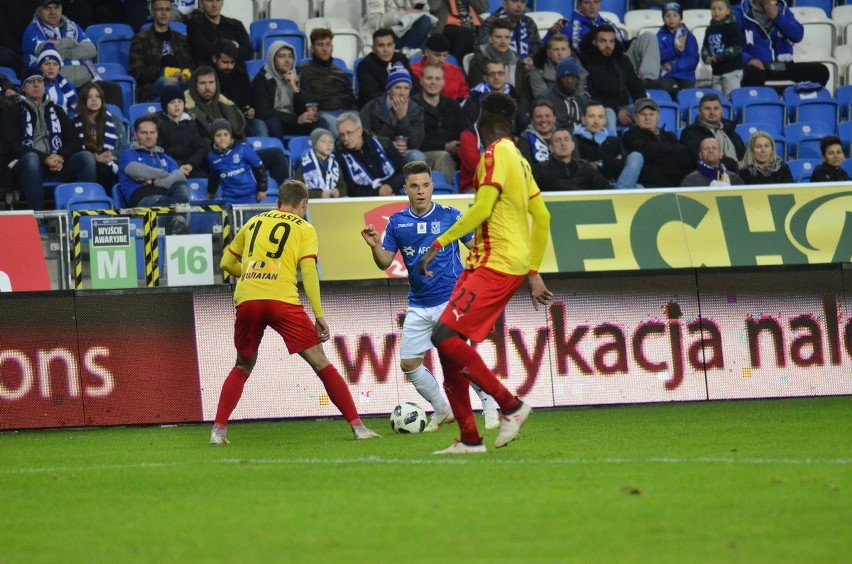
<point>469,154</point>
<point>455,85</point>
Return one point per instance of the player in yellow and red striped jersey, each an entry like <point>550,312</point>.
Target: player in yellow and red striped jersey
<point>264,256</point>
<point>507,252</point>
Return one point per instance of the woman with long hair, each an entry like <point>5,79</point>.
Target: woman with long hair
<point>102,133</point>
<point>761,164</point>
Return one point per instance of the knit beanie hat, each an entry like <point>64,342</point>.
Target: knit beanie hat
<point>397,75</point>
<point>673,6</point>
<point>170,93</point>
<point>318,134</point>
<point>567,67</point>
<point>49,53</point>
<point>221,123</point>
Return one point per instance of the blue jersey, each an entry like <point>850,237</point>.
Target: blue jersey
<point>233,167</point>
<point>412,235</point>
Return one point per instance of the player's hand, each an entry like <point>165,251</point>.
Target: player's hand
<point>538,291</point>
<point>322,329</point>
<point>427,257</point>
<point>370,235</point>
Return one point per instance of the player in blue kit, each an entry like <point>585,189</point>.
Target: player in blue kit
<point>411,232</point>
<point>236,168</point>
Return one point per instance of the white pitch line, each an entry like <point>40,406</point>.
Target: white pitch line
<point>441,461</point>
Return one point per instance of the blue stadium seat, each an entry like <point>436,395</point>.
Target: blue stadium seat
<point>802,169</point>
<point>138,110</point>
<point>179,27</point>
<point>658,95</point>
<point>76,195</point>
<point>689,97</point>
<point>745,130</point>
<point>746,94</point>
<point>826,111</point>
<point>118,199</point>
<point>844,131</point>
<point>847,166</point>
<point>202,222</point>
<point>111,69</point>
<point>793,98</point>
<point>253,67</point>
<point>765,111</point>
<point>259,28</point>
<point>11,75</point>
<point>99,32</point>
<point>795,133</point>
<point>115,50</point>
<point>441,185</point>
<point>669,116</point>
<point>809,148</point>
<point>843,95</point>
<point>297,147</point>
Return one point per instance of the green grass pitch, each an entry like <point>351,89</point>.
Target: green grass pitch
<point>740,481</point>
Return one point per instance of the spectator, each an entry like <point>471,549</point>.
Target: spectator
<point>102,133</point>
<point>370,164</point>
<point>374,68</point>
<point>771,29</point>
<point>394,116</point>
<point>603,150</point>
<point>42,143</point>
<point>761,164</point>
<point>78,52</point>
<point>443,121</point>
<point>437,50</point>
<point>832,158</point>
<point>409,20</point>
<point>235,85</point>
<point>643,51</point>
<point>497,48</point>
<point>666,160</point>
<point>318,168</point>
<point>207,26</point>
<point>207,104</point>
<point>542,78</point>
<point>327,82</point>
<point>179,136</point>
<point>611,79</point>
<point>148,177</point>
<point>525,40</point>
<point>459,22</point>
<point>562,172</point>
<point>711,170</point>
<point>235,168</point>
<point>534,143</point>
<point>58,90</point>
<point>710,123</point>
<point>565,97</point>
<point>470,151</point>
<point>280,99</point>
<point>678,51</point>
<point>494,75</point>
<point>723,47</point>
<point>159,56</point>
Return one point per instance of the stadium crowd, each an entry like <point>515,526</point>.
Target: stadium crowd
<point>242,112</point>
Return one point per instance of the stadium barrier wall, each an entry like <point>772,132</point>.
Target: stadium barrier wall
<point>79,358</point>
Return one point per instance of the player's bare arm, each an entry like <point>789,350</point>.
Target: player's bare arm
<point>381,257</point>
<point>539,293</point>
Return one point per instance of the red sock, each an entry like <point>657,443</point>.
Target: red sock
<point>231,392</point>
<point>338,392</point>
<point>472,366</point>
<point>458,394</point>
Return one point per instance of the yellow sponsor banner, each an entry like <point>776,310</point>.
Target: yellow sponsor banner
<point>634,230</point>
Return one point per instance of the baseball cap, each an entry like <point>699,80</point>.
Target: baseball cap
<point>47,3</point>
<point>644,103</point>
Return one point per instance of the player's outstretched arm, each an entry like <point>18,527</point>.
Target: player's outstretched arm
<point>486,198</point>
<point>381,257</point>
<point>230,263</point>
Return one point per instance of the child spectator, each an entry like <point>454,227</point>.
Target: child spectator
<point>179,135</point>
<point>318,168</point>
<point>236,168</point>
<point>723,47</point>
<point>56,87</point>
<point>678,51</point>
<point>102,133</point>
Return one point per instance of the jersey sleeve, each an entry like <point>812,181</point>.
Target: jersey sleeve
<point>389,242</point>
<point>251,156</point>
<point>456,215</point>
<point>310,243</point>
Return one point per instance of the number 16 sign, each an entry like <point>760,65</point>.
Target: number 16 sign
<point>190,260</point>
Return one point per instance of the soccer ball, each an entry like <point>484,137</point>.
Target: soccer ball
<point>408,418</point>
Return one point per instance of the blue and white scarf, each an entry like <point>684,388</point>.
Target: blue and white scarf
<point>110,133</point>
<point>540,150</point>
<point>54,127</point>
<point>63,94</point>
<point>323,176</point>
<point>520,43</point>
<point>718,175</point>
<point>54,34</point>
<point>361,175</point>
<point>484,88</point>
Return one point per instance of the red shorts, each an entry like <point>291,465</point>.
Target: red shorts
<point>478,299</point>
<point>289,320</point>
